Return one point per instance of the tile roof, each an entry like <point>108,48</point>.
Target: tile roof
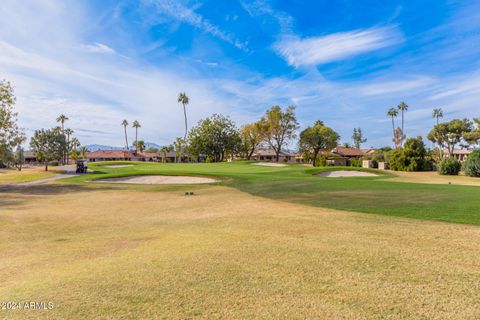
<point>349,152</point>
<point>113,154</point>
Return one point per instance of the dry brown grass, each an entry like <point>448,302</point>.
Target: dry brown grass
<point>8,176</point>
<point>433,177</point>
<point>110,253</point>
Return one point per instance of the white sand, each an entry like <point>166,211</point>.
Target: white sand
<point>269,164</point>
<point>119,166</point>
<point>159,180</point>
<point>345,173</point>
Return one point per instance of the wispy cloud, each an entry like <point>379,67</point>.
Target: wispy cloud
<point>333,47</point>
<point>262,9</point>
<point>187,15</point>
<point>98,48</point>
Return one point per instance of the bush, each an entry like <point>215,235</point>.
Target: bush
<point>321,161</point>
<point>412,157</point>
<point>449,166</point>
<point>471,166</point>
<point>355,162</point>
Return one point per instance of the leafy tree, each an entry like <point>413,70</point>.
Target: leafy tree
<point>358,138</point>
<point>449,134</point>
<point>136,125</point>
<point>278,127</point>
<point>317,138</point>
<point>346,145</point>
<point>471,166</point>
<point>412,157</point>
<point>184,100</point>
<point>48,145</point>
<point>180,145</point>
<point>392,112</point>
<point>251,137</point>
<point>152,150</point>
<point>381,155</point>
<point>11,136</point>
<point>18,158</point>
<point>215,137</point>
<point>125,124</point>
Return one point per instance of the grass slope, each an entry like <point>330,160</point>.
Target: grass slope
<point>297,184</point>
<point>104,252</point>
<point>8,176</point>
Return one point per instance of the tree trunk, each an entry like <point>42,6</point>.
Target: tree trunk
<point>46,166</point>
<point>315,155</point>
<point>186,126</point>
<point>250,154</point>
<point>393,127</point>
<point>136,140</point>
<point>126,139</point>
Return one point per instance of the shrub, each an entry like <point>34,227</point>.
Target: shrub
<point>471,166</point>
<point>449,166</point>
<point>321,161</point>
<point>412,157</point>
<point>355,162</point>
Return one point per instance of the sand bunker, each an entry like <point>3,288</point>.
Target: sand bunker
<point>159,180</point>
<point>119,166</point>
<point>345,173</point>
<point>269,164</point>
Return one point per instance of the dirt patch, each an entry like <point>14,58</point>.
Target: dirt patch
<point>345,173</point>
<point>269,164</point>
<point>157,179</point>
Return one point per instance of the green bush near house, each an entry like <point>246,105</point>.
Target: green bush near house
<point>471,166</point>
<point>321,161</point>
<point>412,157</point>
<point>449,166</point>
<point>356,162</point>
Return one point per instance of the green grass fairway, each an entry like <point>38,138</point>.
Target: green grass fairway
<point>297,184</point>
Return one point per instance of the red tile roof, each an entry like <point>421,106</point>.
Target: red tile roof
<point>348,152</point>
<point>113,154</point>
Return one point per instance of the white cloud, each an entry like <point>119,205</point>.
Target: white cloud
<point>98,48</point>
<point>333,47</point>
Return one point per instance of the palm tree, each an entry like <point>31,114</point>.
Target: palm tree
<point>164,150</point>
<point>393,113</point>
<point>68,132</point>
<point>136,125</point>
<point>437,113</point>
<point>184,100</point>
<point>62,118</point>
<point>403,107</point>
<point>125,124</point>
<point>83,151</point>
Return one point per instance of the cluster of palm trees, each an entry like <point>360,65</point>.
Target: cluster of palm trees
<point>398,133</point>
<point>73,143</point>
<point>138,144</point>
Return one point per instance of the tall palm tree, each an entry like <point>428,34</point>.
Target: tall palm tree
<point>403,107</point>
<point>437,113</point>
<point>393,113</point>
<point>136,125</point>
<point>62,118</point>
<point>125,124</point>
<point>68,132</point>
<point>184,100</point>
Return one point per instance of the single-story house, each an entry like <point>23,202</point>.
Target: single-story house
<point>150,156</point>
<point>349,153</point>
<point>167,156</point>
<point>270,155</point>
<point>30,157</point>
<point>114,155</point>
<point>459,154</point>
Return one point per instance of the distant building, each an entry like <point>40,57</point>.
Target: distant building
<point>30,157</point>
<point>114,155</point>
<point>349,153</point>
<point>270,155</point>
<point>459,154</point>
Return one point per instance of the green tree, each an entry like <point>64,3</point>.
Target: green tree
<point>278,127</point>
<point>19,158</point>
<point>471,166</point>
<point>251,137</point>
<point>215,137</point>
<point>62,118</point>
<point>180,145</point>
<point>317,138</point>
<point>68,133</point>
<point>184,100</point>
<point>83,152</point>
<point>139,145</point>
<point>412,157</point>
<point>48,145</point>
<point>449,134</point>
<point>125,125</point>
<point>136,125</point>
<point>11,136</point>
<point>358,138</point>
<point>393,113</point>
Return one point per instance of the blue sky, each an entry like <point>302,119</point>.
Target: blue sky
<point>343,62</point>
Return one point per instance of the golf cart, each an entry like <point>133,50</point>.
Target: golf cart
<point>81,167</point>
